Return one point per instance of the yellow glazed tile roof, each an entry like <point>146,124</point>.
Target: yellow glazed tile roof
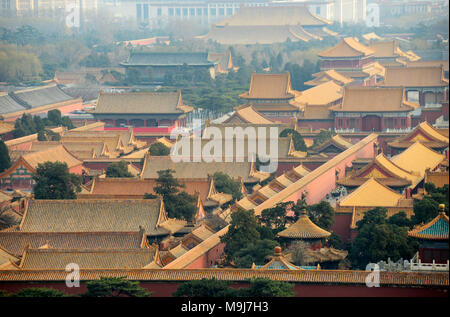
<point>371,194</point>
<point>269,86</point>
<point>304,228</point>
<point>415,77</point>
<point>348,47</point>
<point>322,94</point>
<point>417,158</point>
<point>52,154</point>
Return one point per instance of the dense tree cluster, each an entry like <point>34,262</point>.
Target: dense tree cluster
<point>178,204</point>
<point>54,181</point>
<point>29,124</point>
<point>118,169</point>
<point>225,184</point>
<point>158,149</point>
<point>380,238</point>
<point>258,287</point>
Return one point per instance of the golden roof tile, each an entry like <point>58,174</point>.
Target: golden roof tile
<point>304,228</point>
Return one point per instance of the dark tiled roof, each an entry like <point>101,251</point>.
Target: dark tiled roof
<point>15,242</point>
<point>40,96</point>
<point>92,216</point>
<point>168,59</point>
<point>87,259</point>
<point>8,104</point>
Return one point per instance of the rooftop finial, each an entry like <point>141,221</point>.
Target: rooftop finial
<point>277,251</point>
<point>442,208</point>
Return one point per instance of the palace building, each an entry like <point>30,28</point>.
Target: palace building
<point>353,60</point>
<point>388,54</point>
<point>272,96</point>
<point>316,103</point>
<point>151,67</point>
<point>423,133</point>
<point>433,238</point>
<point>384,171</point>
<point>329,75</point>
<point>425,85</point>
<point>372,194</point>
<point>155,111</point>
<point>373,109</point>
<point>20,174</point>
<point>268,25</point>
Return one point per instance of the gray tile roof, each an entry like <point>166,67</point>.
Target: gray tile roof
<point>8,104</point>
<point>40,96</point>
<point>16,241</point>
<point>92,259</point>
<point>92,216</point>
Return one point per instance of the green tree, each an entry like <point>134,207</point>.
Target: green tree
<point>158,149</point>
<point>37,292</point>
<point>299,142</point>
<point>5,161</point>
<point>255,253</point>
<point>276,217</point>
<point>322,214</point>
<point>54,116</point>
<point>118,169</point>
<point>379,240</point>
<point>264,287</point>
<point>204,288</point>
<point>243,231</point>
<point>54,181</point>
<point>428,207</point>
<point>114,287</point>
<point>322,137</point>
<point>225,184</point>
<point>178,204</point>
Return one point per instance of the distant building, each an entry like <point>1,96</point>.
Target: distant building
<point>373,109</point>
<point>426,85</point>
<point>268,25</point>
<point>150,67</point>
<point>20,174</point>
<point>156,110</point>
<point>353,60</point>
<point>272,96</point>
<point>45,8</point>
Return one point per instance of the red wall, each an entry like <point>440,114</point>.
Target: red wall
<point>341,226</point>
<point>166,289</point>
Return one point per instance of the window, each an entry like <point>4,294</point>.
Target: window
<point>139,11</point>
<point>229,11</point>
<point>159,12</point>
<point>213,11</point>
<point>178,12</point>
<point>205,12</point>
<point>171,12</point>
<point>145,11</point>
<point>199,11</point>
<point>192,12</point>
<point>403,122</point>
<point>317,10</point>
<point>185,12</point>
<point>221,11</point>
